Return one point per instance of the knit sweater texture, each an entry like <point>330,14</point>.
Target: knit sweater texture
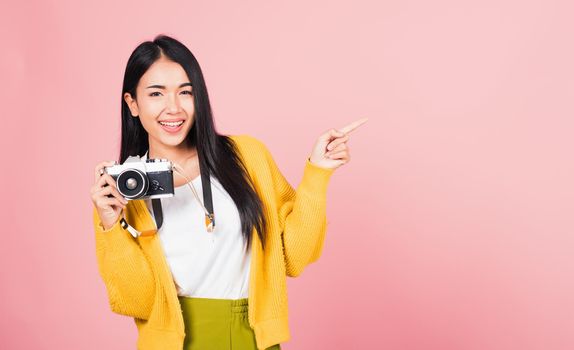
<point>139,283</point>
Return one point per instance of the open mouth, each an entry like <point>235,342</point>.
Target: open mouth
<point>172,127</point>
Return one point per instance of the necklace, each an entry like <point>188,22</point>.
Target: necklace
<point>156,203</point>
<point>209,217</point>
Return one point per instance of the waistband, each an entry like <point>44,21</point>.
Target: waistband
<point>213,308</point>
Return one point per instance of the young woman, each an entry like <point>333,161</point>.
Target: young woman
<point>199,277</point>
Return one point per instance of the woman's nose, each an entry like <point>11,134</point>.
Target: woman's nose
<point>172,103</point>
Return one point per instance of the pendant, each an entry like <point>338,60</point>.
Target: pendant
<point>210,222</point>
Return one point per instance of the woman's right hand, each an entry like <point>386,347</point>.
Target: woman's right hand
<point>106,198</point>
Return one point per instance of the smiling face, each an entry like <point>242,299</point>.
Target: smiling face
<point>164,104</point>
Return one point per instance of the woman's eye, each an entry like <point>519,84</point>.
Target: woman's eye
<point>186,92</point>
<point>154,93</point>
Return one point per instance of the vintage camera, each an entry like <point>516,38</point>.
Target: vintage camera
<point>141,179</point>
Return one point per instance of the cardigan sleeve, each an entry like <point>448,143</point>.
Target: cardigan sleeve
<point>125,270</point>
<point>302,214</point>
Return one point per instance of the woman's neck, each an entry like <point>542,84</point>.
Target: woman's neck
<point>179,155</point>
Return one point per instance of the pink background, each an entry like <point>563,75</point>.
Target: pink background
<point>451,228</point>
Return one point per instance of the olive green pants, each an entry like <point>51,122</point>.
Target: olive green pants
<point>219,324</point>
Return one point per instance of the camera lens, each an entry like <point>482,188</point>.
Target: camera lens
<point>132,183</point>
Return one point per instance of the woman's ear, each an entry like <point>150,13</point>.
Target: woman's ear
<point>132,104</point>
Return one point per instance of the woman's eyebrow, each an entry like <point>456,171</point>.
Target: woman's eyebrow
<point>163,87</point>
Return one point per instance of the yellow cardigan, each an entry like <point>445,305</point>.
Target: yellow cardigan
<point>139,282</point>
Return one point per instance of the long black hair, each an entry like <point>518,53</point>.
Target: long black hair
<point>217,153</point>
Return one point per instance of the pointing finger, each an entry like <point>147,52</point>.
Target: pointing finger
<point>350,127</point>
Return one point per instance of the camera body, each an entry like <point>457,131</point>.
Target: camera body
<point>142,179</point>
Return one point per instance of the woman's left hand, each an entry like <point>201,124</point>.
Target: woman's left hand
<point>331,149</point>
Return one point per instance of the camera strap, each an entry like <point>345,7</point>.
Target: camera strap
<point>207,202</point>
<point>207,199</point>
<point>158,213</point>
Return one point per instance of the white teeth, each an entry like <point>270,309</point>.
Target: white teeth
<point>172,124</point>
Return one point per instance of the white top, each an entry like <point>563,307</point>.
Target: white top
<point>204,264</point>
